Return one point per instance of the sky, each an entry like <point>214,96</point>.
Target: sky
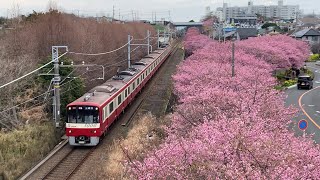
<point>177,10</point>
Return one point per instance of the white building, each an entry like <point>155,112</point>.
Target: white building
<point>280,11</point>
<point>219,15</point>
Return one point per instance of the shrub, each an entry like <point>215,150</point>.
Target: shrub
<point>289,83</point>
<point>20,149</point>
<point>314,57</point>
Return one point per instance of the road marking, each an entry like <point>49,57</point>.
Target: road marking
<point>317,82</point>
<point>318,112</point>
<point>313,121</point>
<point>311,105</point>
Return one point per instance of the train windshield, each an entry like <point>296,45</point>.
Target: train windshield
<point>83,114</point>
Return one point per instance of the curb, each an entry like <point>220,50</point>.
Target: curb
<point>290,87</point>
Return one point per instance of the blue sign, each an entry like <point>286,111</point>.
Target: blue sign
<point>303,124</point>
<point>229,29</point>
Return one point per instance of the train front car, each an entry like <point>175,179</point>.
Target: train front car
<point>83,124</point>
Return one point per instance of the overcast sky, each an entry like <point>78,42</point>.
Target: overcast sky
<point>179,10</point>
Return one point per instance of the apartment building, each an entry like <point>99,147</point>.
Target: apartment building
<point>280,11</point>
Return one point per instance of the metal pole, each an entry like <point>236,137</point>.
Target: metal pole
<point>224,35</point>
<point>158,36</point>
<point>56,86</point>
<point>219,34</point>
<point>232,58</point>
<point>129,50</point>
<point>148,38</point>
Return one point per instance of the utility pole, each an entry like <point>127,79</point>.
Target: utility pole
<point>158,37</point>
<point>113,11</point>
<point>148,38</point>
<point>132,15</point>
<point>232,58</point>
<point>155,17</point>
<point>129,50</point>
<point>224,34</point>
<point>56,84</point>
<point>119,15</point>
<point>152,17</point>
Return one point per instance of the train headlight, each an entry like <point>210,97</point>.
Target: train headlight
<point>70,131</point>
<point>94,131</point>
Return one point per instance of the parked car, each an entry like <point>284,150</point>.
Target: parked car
<point>305,81</point>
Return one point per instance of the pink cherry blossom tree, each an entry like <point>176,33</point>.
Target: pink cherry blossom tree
<point>232,127</point>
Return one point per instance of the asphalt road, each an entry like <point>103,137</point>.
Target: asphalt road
<point>308,103</point>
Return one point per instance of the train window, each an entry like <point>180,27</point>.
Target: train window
<point>72,115</point>
<point>105,112</point>
<point>83,114</point>
<point>110,107</point>
<point>129,90</point>
<point>138,81</point>
<point>125,93</point>
<point>119,99</point>
<point>133,86</point>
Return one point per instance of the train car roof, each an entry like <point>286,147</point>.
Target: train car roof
<point>100,94</point>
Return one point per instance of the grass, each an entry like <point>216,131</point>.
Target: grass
<point>21,149</point>
<point>145,135</point>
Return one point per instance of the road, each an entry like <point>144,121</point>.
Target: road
<point>308,103</point>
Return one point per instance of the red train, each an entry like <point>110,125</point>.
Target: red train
<point>90,116</point>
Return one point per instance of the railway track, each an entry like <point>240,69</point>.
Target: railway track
<point>140,100</point>
<point>69,164</point>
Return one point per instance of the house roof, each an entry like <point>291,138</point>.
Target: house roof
<point>306,32</point>
<point>245,33</point>
<point>310,20</point>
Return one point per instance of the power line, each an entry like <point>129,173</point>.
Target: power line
<point>98,54</point>
<point>31,72</point>
<point>26,101</point>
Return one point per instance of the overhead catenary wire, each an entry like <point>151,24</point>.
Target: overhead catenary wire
<point>103,53</point>
<point>32,72</point>
<point>26,101</point>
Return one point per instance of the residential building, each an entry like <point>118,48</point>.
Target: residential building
<point>241,34</point>
<point>310,35</point>
<point>280,11</point>
<point>219,15</point>
<point>244,20</point>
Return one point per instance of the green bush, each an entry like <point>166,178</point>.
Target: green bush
<point>314,57</point>
<point>281,75</point>
<point>289,83</point>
